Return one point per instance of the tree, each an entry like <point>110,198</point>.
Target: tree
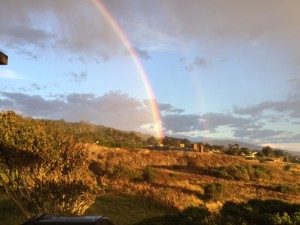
<point>278,153</point>
<point>170,141</point>
<point>152,141</point>
<point>186,142</point>
<point>268,151</point>
<point>43,169</point>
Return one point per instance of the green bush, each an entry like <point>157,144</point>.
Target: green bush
<point>255,211</point>
<point>261,172</point>
<point>215,191</point>
<point>126,173</point>
<point>292,189</point>
<point>245,172</point>
<point>150,174</point>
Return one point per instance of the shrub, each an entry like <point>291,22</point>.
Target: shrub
<point>126,173</point>
<point>292,189</point>
<point>261,172</point>
<point>150,174</point>
<point>215,191</point>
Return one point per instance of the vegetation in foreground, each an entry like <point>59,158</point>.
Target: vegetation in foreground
<point>141,186</point>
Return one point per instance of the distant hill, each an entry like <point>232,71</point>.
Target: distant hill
<point>227,142</point>
<point>242,144</point>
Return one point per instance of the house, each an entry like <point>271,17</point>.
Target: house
<point>251,155</point>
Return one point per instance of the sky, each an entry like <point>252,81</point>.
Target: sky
<point>215,69</point>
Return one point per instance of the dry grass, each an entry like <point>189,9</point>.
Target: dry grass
<point>177,179</point>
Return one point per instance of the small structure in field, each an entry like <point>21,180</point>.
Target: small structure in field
<point>201,149</point>
<point>195,147</point>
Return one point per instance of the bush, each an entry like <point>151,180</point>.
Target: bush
<point>255,211</point>
<point>245,173</point>
<point>215,191</point>
<point>150,174</point>
<point>292,189</point>
<point>126,173</point>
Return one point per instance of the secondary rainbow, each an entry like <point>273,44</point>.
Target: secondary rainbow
<point>121,34</point>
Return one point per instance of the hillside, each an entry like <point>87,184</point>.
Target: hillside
<point>136,185</point>
<point>178,180</point>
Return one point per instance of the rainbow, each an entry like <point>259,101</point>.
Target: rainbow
<point>134,56</point>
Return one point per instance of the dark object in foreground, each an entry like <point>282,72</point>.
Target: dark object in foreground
<point>65,220</point>
<point>3,58</point>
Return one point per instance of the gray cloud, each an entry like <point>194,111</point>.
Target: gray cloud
<point>267,135</point>
<point>79,26</point>
<point>168,108</point>
<point>251,129</point>
<point>75,26</point>
<point>182,123</point>
<point>197,62</point>
<point>120,111</point>
<point>291,106</point>
<point>208,121</point>
<point>77,77</point>
<point>30,105</point>
<point>38,87</point>
<point>142,53</point>
<point>113,109</point>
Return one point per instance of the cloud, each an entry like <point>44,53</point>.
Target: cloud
<point>267,135</point>
<point>215,120</point>
<point>113,109</point>
<point>251,129</point>
<point>77,77</point>
<point>38,87</point>
<point>295,83</point>
<point>208,121</point>
<point>79,26</point>
<point>291,106</point>
<point>9,74</point>
<point>168,108</point>
<point>182,123</point>
<point>75,27</point>
<point>20,35</point>
<point>197,62</point>
<point>143,54</point>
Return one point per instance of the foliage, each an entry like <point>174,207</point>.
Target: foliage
<point>126,173</point>
<point>290,189</point>
<point>170,141</point>
<point>241,172</point>
<point>150,174</point>
<point>260,212</point>
<point>254,212</point>
<point>215,191</point>
<point>43,169</point>
<point>268,151</point>
<point>278,153</point>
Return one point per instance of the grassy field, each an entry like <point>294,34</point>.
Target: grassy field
<point>142,184</point>
<point>118,207</point>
